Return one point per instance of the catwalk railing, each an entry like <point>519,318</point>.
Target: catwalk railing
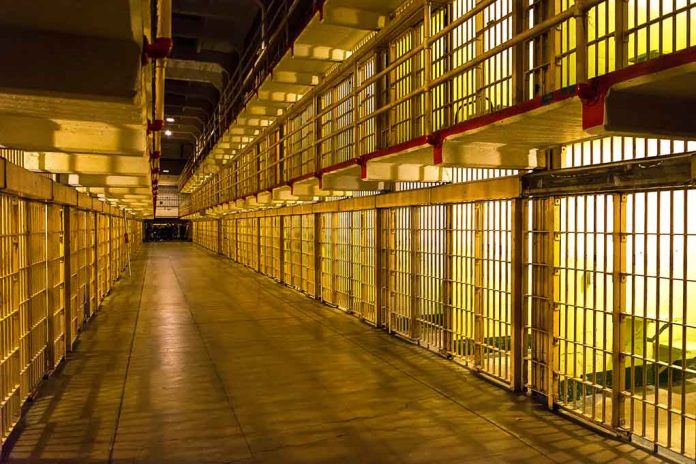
<point>60,253</point>
<point>576,284</point>
<point>281,22</point>
<point>434,67</point>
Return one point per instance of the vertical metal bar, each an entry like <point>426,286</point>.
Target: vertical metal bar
<point>551,283</point>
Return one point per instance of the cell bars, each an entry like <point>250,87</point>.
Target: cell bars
<point>583,299</point>
<point>609,286</point>
<point>205,233</point>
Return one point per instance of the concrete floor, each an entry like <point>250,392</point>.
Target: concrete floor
<point>195,359</point>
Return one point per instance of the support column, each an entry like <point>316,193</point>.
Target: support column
<point>67,281</point>
<point>334,254</point>
<point>448,290</point>
<point>257,231</point>
<point>390,235</point>
<point>379,316</point>
<point>518,342</point>
<point>317,257</point>
<point>478,285</point>
<point>415,271</point>
<point>219,235</point>
<point>618,307</point>
<point>281,252</point>
<point>552,284</point>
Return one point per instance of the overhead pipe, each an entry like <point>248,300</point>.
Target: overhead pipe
<point>159,50</point>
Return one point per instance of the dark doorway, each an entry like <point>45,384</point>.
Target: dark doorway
<point>167,230</point>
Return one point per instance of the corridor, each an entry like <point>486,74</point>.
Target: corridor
<point>195,359</point>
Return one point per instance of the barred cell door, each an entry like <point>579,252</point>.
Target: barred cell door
<point>56,283</point>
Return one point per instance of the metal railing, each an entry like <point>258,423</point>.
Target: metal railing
<point>286,19</point>
<point>409,81</point>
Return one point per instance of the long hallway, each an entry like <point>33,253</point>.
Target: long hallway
<point>186,364</point>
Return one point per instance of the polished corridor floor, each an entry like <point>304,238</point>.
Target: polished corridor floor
<point>194,359</point>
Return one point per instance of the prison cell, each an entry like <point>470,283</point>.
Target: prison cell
<point>91,263</point>
<point>473,55</point>
<point>103,255</point>
<point>397,281</point>
<point>55,242</point>
<point>33,295</point>
<point>206,233</point>
<point>77,283</point>
<point>47,286</point>
<point>605,290</point>
<point>229,238</point>
<point>11,328</point>
<point>657,291</point>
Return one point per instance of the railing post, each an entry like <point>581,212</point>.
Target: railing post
<point>580,42</point>
<point>427,69</point>
<point>519,52</point>
<point>620,36</point>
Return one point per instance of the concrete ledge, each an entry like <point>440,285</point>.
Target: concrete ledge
<point>64,195</point>
<point>26,183</point>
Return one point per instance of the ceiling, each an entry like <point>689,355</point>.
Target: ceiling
<point>209,36</point>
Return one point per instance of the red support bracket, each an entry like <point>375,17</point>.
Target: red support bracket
<point>160,48</point>
<point>436,139</point>
<point>155,126</point>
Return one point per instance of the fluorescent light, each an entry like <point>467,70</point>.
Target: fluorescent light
<point>165,171</point>
<point>170,119</point>
<point>167,132</point>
